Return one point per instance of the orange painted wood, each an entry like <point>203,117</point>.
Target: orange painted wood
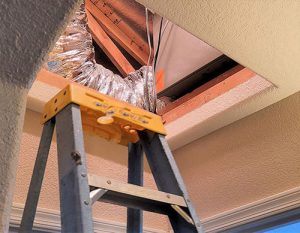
<point>109,12</point>
<point>52,79</point>
<point>160,80</point>
<point>137,11</point>
<point>118,35</point>
<point>108,46</point>
<point>206,93</point>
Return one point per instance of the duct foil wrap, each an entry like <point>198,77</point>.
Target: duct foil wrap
<point>73,57</point>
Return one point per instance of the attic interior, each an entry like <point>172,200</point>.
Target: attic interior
<point>204,79</point>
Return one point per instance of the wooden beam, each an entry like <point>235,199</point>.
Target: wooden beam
<point>135,190</point>
<point>206,93</point>
<point>138,52</point>
<point>52,79</point>
<point>108,46</point>
<point>132,10</point>
<point>108,9</point>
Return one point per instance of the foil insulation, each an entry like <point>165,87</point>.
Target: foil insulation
<point>73,57</point>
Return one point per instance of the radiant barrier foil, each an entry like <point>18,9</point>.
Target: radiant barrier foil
<point>73,57</point>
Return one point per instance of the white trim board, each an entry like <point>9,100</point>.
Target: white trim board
<point>266,207</point>
<point>49,220</point>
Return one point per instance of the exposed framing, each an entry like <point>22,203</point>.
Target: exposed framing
<point>205,93</point>
<point>132,44</point>
<point>108,46</point>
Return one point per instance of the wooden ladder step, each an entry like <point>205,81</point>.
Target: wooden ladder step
<point>135,196</point>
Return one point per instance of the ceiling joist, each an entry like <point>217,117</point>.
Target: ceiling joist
<point>108,46</point>
<point>126,37</point>
<point>120,21</point>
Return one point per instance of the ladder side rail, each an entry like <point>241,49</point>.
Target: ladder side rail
<point>168,178</point>
<point>75,204</point>
<point>37,177</point>
<point>135,176</point>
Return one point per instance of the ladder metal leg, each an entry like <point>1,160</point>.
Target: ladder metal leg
<point>168,178</point>
<point>37,177</point>
<point>75,205</point>
<point>135,176</point>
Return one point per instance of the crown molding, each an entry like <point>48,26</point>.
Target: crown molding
<point>49,221</point>
<point>266,207</point>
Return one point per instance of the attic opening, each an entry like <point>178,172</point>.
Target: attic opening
<point>126,39</point>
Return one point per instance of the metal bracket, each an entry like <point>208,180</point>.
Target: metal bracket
<point>183,214</point>
<point>96,194</point>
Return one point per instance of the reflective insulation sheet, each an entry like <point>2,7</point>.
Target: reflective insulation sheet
<point>73,57</point>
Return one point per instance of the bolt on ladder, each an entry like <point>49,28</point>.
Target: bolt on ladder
<point>76,108</point>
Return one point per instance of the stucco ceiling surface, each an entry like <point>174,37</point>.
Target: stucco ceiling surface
<point>261,35</point>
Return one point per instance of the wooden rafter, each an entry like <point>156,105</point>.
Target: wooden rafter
<point>130,9</point>
<point>113,15</point>
<point>108,46</point>
<point>131,42</point>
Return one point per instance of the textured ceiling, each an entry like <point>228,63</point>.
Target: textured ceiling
<point>261,35</point>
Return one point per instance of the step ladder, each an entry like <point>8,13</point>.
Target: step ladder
<point>76,108</point>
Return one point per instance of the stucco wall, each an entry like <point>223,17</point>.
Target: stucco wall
<point>115,168</point>
<point>251,159</point>
<point>28,30</point>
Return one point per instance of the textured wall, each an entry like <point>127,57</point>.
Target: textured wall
<point>246,161</point>
<point>12,102</point>
<point>103,165</point>
<point>27,30</point>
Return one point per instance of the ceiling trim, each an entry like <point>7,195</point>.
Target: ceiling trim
<point>49,220</point>
<point>263,208</point>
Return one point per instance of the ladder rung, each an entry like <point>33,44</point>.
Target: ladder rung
<point>134,196</point>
